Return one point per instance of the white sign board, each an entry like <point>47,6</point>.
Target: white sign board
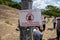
<point>30,17</point>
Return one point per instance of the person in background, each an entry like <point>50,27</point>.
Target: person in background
<point>54,22</point>
<point>45,18</point>
<point>37,33</point>
<point>44,23</point>
<point>58,29</point>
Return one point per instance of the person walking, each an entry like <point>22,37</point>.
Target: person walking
<point>54,22</point>
<point>37,34</point>
<point>58,34</point>
<point>44,23</point>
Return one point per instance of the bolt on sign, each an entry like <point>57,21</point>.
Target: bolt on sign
<point>30,17</point>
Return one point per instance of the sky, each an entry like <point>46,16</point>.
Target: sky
<point>41,4</point>
<point>17,0</point>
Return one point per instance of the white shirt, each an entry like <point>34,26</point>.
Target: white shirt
<point>54,20</point>
<point>37,31</point>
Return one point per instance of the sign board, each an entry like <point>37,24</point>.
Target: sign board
<point>30,17</point>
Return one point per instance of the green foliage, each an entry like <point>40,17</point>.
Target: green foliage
<point>5,1</point>
<point>52,11</point>
<point>1,1</point>
<point>14,5</point>
<point>50,7</point>
<point>11,3</point>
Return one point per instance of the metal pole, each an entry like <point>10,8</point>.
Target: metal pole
<point>28,5</point>
<point>31,33</point>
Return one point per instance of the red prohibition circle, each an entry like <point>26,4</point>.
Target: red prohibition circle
<point>29,17</point>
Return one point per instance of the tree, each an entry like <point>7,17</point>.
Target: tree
<point>52,11</point>
<point>5,1</point>
<point>11,3</point>
<point>50,7</point>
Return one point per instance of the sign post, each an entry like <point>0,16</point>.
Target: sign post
<point>29,19</point>
<point>26,4</point>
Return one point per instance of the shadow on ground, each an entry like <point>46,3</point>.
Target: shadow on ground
<point>51,29</point>
<point>52,39</point>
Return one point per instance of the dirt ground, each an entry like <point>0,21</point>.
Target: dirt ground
<point>9,32</point>
<point>49,33</point>
<point>9,16</point>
